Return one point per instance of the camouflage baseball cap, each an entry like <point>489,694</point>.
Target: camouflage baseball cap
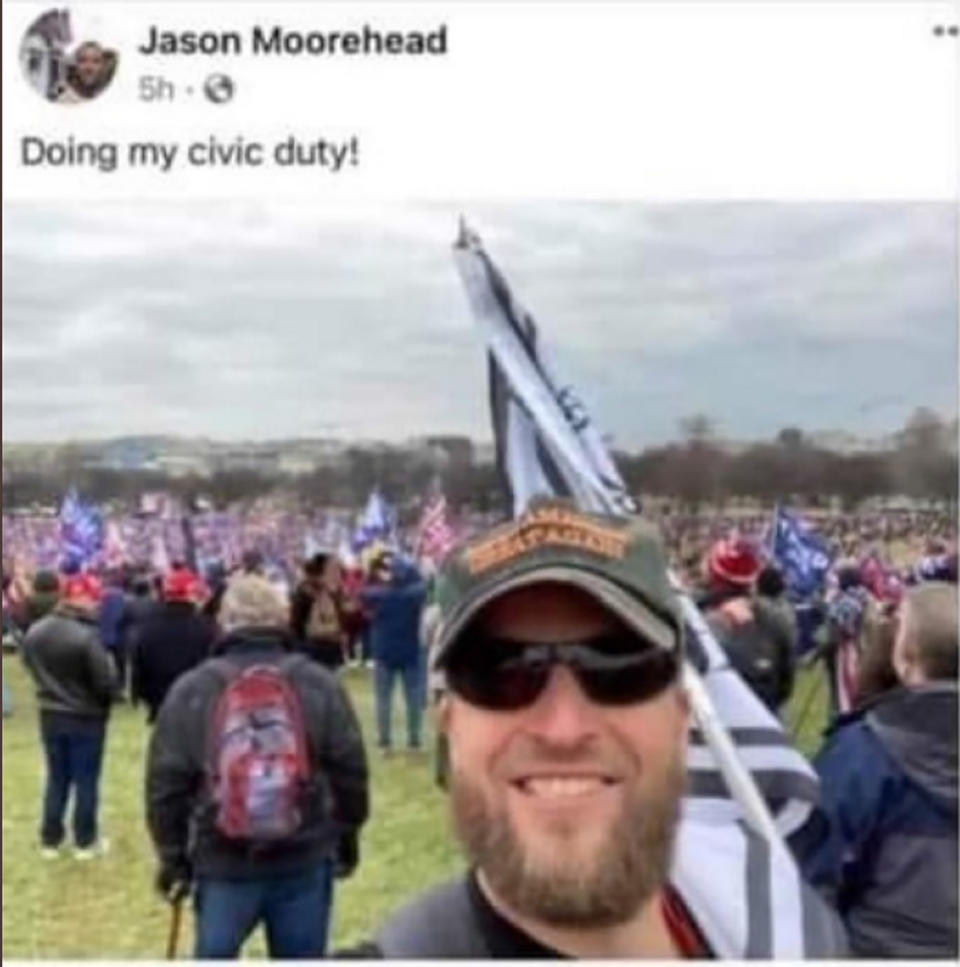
<point>618,561</point>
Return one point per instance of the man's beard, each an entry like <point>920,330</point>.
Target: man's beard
<point>628,868</point>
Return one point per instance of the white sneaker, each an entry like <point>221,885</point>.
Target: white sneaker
<point>50,852</point>
<point>100,848</point>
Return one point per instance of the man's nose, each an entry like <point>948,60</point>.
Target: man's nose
<point>562,714</point>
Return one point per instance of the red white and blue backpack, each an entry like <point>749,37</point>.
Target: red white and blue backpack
<point>258,766</point>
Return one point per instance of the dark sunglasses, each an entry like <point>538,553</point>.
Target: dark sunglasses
<point>505,675</point>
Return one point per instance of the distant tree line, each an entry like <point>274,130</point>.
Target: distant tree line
<point>921,465</point>
<point>697,471</point>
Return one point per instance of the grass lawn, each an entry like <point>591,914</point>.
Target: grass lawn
<point>60,909</point>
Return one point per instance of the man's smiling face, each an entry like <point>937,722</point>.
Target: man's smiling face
<point>567,806</point>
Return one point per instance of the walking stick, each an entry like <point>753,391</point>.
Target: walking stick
<point>176,911</point>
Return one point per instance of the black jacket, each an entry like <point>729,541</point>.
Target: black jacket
<point>179,811</point>
<point>170,640</point>
<point>761,649</point>
<point>72,670</point>
<point>137,610</point>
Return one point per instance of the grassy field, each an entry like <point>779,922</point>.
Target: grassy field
<point>107,909</point>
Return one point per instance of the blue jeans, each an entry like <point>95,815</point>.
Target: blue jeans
<point>383,678</point>
<point>7,699</point>
<point>295,911</point>
<point>74,752</point>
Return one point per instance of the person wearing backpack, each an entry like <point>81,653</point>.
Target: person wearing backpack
<point>758,639</point>
<point>256,785</point>
<point>321,610</point>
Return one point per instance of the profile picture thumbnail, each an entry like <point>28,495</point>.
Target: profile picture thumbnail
<point>64,64</point>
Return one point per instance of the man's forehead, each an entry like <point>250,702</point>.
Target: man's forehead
<point>549,610</point>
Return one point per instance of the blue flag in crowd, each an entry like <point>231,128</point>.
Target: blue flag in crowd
<point>802,555</point>
<point>378,523</point>
<point>81,528</point>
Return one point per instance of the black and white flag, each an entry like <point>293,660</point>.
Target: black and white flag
<point>747,786</point>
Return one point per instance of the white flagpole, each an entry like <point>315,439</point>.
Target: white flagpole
<point>735,774</point>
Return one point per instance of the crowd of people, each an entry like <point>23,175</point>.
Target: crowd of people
<point>552,648</point>
<point>857,534</point>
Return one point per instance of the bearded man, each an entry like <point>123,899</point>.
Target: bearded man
<point>561,647</point>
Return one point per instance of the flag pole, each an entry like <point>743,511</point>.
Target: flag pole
<point>772,542</point>
<point>735,774</point>
<point>594,492</point>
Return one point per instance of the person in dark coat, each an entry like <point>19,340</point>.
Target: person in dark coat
<point>216,580</point>
<point>395,604</point>
<point>76,685</point>
<point>285,882</point>
<point>887,853</point>
<point>758,637</point>
<point>171,640</point>
<point>139,606</point>
<point>320,610</point>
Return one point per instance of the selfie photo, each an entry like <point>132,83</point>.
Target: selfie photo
<point>571,479</point>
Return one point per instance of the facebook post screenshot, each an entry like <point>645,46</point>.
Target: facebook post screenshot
<point>480,480</point>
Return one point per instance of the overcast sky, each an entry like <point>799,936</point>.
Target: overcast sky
<point>252,322</point>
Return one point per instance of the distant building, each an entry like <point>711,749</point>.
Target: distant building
<point>265,461</point>
<point>455,452</point>
<point>126,455</point>
<point>296,464</point>
<point>179,465</point>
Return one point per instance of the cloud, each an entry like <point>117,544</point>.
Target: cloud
<point>256,321</point>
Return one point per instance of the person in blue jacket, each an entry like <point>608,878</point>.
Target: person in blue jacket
<point>887,853</point>
<point>395,602</point>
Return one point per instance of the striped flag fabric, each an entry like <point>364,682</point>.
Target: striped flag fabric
<point>747,786</point>
<point>847,613</point>
<point>434,535</point>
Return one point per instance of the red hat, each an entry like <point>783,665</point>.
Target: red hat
<point>734,561</point>
<point>81,587</point>
<point>180,584</point>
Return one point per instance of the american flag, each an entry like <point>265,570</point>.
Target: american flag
<point>435,536</point>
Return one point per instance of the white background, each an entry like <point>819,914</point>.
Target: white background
<point>536,100</point>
